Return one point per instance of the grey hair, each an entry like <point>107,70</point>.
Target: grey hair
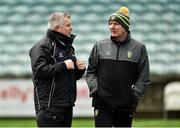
<point>57,19</point>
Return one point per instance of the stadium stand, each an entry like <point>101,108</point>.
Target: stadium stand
<point>154,22</point>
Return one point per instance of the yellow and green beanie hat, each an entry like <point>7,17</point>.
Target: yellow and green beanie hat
<point>122,17</point>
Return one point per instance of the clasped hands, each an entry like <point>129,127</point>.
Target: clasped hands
<point>80,64</point>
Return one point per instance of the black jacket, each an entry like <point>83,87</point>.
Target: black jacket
<point>54,85</point>
<point>118,73</point>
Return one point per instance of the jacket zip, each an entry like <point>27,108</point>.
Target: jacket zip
<point>117,56</point>
<point>70,86</point>
<point>70,77</point>
<point>69,52</point>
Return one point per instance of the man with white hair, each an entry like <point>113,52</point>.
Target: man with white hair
<point>55,71</point>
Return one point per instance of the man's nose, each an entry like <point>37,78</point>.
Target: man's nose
<point>111,26</point>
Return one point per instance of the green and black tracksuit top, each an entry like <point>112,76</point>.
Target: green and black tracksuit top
<point>117,74</point>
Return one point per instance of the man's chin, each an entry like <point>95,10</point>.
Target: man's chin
<point>68,35</point>
<point>114,35</point>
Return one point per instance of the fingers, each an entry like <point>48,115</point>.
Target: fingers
<point>80,64</point>
<point>69,64</point>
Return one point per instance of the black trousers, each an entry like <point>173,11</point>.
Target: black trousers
<point>106,118</point>
<point>54,117</point>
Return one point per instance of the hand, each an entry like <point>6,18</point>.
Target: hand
<point>69,64</point>
<point>80,64</point>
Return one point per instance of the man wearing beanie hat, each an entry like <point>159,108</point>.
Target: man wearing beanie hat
<point>117,74</point>
<point>122,17</point>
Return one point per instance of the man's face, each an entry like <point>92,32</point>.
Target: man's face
<point>66,28</point>
<point>116,29</point>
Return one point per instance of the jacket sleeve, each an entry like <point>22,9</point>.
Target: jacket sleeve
<point>143,79</point>
<point>79,73</point>
<point>41,63</point>
<point>91,74</point>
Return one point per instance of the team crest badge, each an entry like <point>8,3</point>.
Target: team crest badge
<point>129,54</point>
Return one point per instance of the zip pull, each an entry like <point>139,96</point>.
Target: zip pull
<point>52,43</point>
<point>132,86</point>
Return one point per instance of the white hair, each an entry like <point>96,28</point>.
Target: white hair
<point>57,19</point>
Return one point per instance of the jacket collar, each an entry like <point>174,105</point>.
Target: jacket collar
<point>121,42</point>
<point>60,38</point>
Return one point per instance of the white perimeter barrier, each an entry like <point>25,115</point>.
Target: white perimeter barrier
<point>16,99</point>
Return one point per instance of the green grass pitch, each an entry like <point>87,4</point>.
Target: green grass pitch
<point>88,122</point>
